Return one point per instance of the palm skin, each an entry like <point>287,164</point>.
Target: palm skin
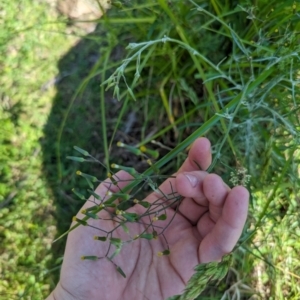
<point>207,226</point>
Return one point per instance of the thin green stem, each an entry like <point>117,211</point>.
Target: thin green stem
<point>103,114</point>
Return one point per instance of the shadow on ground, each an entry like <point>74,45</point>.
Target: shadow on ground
<point>82,128</point>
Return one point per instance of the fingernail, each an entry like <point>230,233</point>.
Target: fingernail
<point>192,179</point>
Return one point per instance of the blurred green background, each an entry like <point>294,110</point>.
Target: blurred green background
<point>51,99</point>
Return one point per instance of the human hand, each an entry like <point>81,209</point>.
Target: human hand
<point>206,226</point>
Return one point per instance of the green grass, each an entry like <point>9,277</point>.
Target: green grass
<point>227,72</point>
<point>28,62</point>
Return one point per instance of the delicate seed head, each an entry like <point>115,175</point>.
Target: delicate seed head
<point>166,252</point>
<point>143,149</point>
<point>149,162</point>
<point>100,238</point>
<point>82,222</point>
<point>91,257</point>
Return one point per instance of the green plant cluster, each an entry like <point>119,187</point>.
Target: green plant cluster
<point>28,66</point>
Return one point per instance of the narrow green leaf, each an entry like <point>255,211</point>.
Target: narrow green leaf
<point>120,195</point>
<point>116,241</point>
<point>148,20</point>
<point>109,175</point>
<point>116,92</point>
<point>121,271</point>
<point>130,170</point>
<point>131,93</point>
<point>124,205</point>
<point>100,238</point>
<point>166,252</point>
<point>116,252</point>
<point>162,217</point>
<point>75,158</point>
<point>87,176</point>
<point>89,183</point>
<point>131,149</point>
<point>117,4</point>
<point>125,228</point>
<point>189,91</point>
<point>79,195</point>
<point>145,204</point>
<point>84,152</point>
<point>131,217</point>
<point>153,153</point>
<point>96,208</point>
<point>91,215</point>
<point>90,257</point>
<point>109,85</point>
<point>147,236</point>
<point>176,297</point>
<point>79,221</point>
<point>94,194</point>
<point>110,204</point>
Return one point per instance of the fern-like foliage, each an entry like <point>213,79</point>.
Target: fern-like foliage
<point>204,274</point>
